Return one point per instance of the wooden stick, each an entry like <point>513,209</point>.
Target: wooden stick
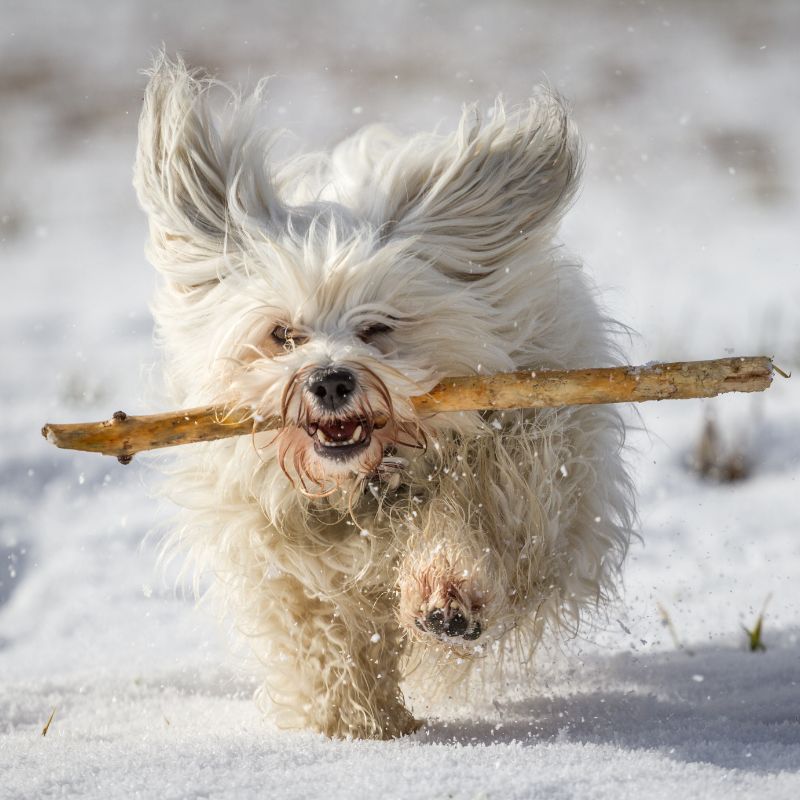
<point>123,435</point>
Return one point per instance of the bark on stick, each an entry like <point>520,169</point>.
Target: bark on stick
<point>123,436</point>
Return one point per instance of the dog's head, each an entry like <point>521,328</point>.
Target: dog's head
<point>332,288</point>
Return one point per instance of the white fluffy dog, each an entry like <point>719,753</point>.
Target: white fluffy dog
<point>331,288</point>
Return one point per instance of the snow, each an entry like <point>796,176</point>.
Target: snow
<point>688,220</point>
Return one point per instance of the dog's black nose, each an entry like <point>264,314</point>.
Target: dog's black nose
<point>332,387</point>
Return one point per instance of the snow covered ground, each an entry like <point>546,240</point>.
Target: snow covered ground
<point>689,218</point>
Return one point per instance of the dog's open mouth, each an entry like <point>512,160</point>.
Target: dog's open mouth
<point>340,439</point>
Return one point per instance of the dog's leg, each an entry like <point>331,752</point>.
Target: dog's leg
<point>528,525</point>
<point>445,579</point>
<point>333,665</point>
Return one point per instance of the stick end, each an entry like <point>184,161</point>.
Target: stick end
<point>781,372</point>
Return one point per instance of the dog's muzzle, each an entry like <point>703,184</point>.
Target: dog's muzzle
<point>337,434</point>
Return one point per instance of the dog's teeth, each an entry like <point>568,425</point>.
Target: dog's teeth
<point>326,440</point>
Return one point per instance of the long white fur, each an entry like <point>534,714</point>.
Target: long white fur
<point>524,517</point>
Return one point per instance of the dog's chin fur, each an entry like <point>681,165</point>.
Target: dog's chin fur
<point>389,540</point>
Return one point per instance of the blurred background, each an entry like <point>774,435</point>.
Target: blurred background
<point>688,220</point>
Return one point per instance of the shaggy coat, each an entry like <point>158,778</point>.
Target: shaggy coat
<point>331,288</point>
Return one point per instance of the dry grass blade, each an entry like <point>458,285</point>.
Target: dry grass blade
<point>666,621</point>
<point>49,721</point>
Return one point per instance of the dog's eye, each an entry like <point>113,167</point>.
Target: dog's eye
<point>287,337</point>
<point>371,331</point>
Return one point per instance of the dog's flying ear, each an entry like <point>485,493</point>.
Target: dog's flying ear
<point>203,183</point>
<point>471,199</point>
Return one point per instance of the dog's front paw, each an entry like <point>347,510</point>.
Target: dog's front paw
<point>441,604</point>
<point>385,724</point>
<point>449,620</point>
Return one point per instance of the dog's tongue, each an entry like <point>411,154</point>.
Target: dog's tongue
<point>341,430</point>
